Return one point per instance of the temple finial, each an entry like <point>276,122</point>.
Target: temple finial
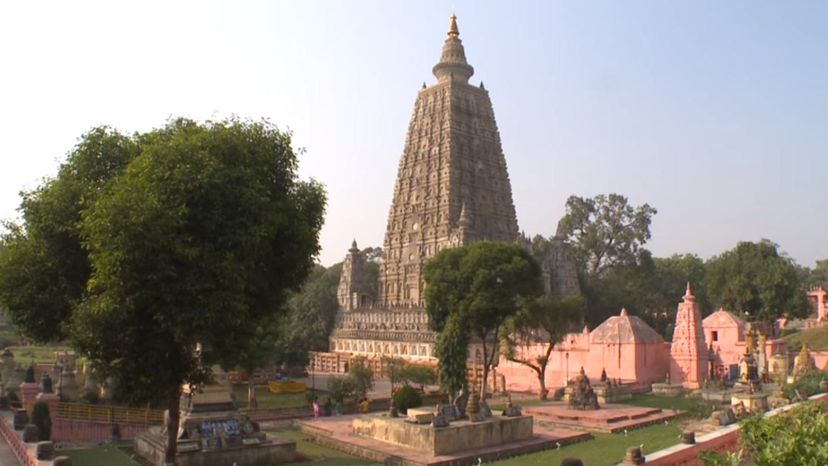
<point>689,292</point>
<point>453,31</point>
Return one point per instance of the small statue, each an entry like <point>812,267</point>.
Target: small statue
<point>583,397</point>
<point>46,383</point>
<point>667,378</point>
<point>603,375</point>
<point>30,374</point>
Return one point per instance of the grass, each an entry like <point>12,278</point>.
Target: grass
<point>268,400</point>
<point>604,450</point>
<point>40,354</point>
<point>104,455</point>
<point>316,454</point>
<point>815,338</point>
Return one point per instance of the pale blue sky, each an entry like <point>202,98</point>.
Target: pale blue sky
<point>716,113</point>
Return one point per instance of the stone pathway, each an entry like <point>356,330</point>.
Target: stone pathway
<point>7,457</point>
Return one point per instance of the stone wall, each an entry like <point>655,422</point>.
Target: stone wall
<point>725,439</point>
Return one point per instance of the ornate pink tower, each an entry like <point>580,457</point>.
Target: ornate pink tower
<point>688,353</point>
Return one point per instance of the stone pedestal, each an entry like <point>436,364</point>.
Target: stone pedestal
<point>667,389</point>
<point>458,436</point>
<point>753,402</point>
<point>212,432</point>
<point>28,395</point>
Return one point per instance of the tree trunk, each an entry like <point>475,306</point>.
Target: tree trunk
<point>543,393</point>
<point>172,427</point>
<point>252,402</point>
<point>485,371</point>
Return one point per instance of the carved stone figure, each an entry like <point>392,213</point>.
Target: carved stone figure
<point>582,395</point>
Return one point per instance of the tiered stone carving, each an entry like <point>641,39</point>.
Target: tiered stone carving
<point>580,393</point>
<point>452,189</point>
<point>688,352</point>
<point>355,290</point>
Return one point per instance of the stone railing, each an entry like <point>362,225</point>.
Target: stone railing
<point>25,456</point>
<point>723,440</point>
<point>112,414</point>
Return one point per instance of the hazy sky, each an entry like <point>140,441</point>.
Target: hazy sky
<point>715,113</point>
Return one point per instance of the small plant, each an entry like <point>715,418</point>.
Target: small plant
<point>12,396</point>
<point>42,419</point>
<point>91,397</point>
<point>807,383</point>
<point>407,397</point>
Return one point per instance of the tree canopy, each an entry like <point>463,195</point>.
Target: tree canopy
<point>470,292</point>
<point>605,231</point>
<point>756,279</point>
<point>192,233</point>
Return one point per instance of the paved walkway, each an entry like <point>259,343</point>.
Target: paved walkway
<point>7,458</point>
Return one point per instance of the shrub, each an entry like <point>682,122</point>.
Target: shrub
<point>42,419</point>
<point>419,374</point>
<point>342,387</point>
<point>407,397</point>
<point>807,383</point>
<point>91,397</point>
<point>361,376</point>
<point>11,394</point>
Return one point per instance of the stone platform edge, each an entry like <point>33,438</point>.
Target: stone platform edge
<point>536,443</point>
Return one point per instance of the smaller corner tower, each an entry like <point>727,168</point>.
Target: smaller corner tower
<point>688,353</point>
<point>354,289</point>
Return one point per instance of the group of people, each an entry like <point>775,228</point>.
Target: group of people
<point>329,408</point>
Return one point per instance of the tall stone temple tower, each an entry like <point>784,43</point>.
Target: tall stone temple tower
<point>452,189</point>
<point>452,186</point>
<point>688,352</point>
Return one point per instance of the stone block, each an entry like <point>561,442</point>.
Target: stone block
<point>62,461</point>
<point>30,433</point>
<point>45,450</point>
<point>21,418</point>
<point>458,436</point>
<point>420,416</point>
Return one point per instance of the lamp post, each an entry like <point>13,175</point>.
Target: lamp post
<point>567,369</point>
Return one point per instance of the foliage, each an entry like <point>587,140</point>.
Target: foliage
<point>11,394</point>
<point>341,388</point>
<point>807,383</point>
<point>471,291</point>
<point>91,397</point>
<point>605,231</point>
<point>795,438</point>
<point>407,397</point>
<point>452,350</point>
<point>394,369</point>
<point>819,275</point>
<point>188,234</point>
<point>44,267</point>
<point>715,458</point>
<point>419,374</point>
<point>41,418</point>
<point>362,375</point>
<point>755,278</point>
<point>544,320</point>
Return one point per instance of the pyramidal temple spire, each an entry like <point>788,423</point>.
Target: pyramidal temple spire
<point>453,65</point>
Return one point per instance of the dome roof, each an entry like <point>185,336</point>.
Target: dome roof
<point>624,329</point>
<point>722,318</point>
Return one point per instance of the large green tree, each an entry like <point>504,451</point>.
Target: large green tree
<point>819,275</point>
<point>196,240</point>
<point>44,267</point>
<point>546,321</point>
<point>470,293</point>
<point>756,279</point>
<point>605,231</point>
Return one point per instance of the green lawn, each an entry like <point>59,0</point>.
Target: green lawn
<point>815,338</point>
<point>604,450</point>
<point>269,400</point>
<point>40,354</point>
<point>104,455</point>
<point>316,454</point>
